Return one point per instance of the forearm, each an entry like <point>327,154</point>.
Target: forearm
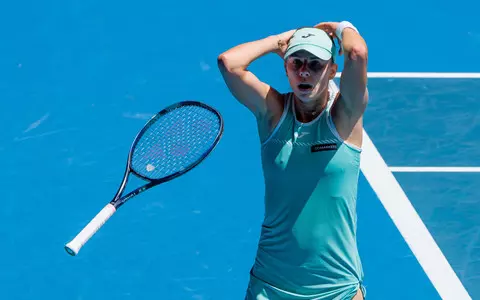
<point>241,56</point>
<point>353,82</point>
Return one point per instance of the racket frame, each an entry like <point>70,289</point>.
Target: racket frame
<point>119,200</point>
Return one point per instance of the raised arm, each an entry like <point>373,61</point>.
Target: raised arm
<point>256,95</point>
<point>350,106</point>
<point>353,82</point>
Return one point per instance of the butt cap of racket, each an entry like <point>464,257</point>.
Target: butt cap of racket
<point>74,246</point>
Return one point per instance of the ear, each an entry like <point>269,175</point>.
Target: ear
<point>333,71</point>
<point>285,67</point>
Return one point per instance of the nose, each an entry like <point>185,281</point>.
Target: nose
<point>304,74</point>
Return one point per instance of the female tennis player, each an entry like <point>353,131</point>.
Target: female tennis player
<point>311,141</point>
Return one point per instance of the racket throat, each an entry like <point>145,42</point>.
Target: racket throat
<point>119,200</point>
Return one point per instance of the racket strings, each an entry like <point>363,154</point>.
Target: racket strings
<point>174,141</point>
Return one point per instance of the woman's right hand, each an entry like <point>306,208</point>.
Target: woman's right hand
<point>282,40</point>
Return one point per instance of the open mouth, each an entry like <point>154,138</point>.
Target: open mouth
<point>305,86</point>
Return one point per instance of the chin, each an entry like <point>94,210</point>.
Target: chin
<point>305,96</point>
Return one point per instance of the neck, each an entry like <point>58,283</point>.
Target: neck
<point>307,112</point>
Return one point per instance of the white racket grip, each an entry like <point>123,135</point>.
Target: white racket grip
<point>88,231</point>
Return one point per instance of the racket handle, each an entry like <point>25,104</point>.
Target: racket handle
<point>88,231</point>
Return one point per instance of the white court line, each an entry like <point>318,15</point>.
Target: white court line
<point>418,75</point>
<point>410,224</point>
<point>436,169</point>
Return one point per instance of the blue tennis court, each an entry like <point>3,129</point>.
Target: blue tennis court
<point>78,79</point>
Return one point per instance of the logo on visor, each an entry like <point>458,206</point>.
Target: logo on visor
<point>308,35</point>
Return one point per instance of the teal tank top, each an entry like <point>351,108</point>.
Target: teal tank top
<point>307,247</point>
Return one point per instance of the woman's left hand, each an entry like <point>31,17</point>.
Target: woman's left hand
<point>330,28</point>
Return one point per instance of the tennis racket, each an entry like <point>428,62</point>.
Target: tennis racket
<point>171,143</point>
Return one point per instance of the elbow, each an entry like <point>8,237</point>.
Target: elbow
<point>359,53</point>
<point>221,59</point>
<point>227,64</point>
<point>223,63</point>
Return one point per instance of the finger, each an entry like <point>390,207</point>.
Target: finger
<point>322,25</point>
<point>327,29</point>
<point>328,24</point>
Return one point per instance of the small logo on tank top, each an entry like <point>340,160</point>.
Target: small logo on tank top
<point>324,147</point>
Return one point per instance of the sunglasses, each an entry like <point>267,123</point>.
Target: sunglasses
<point>314,64</point>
